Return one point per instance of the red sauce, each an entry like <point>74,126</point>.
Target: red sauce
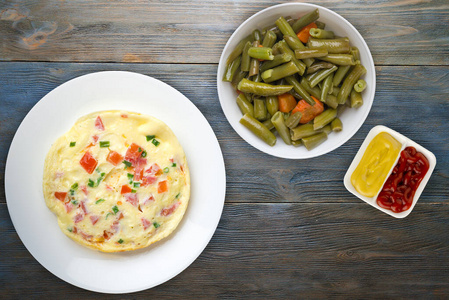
<point>399,189</point>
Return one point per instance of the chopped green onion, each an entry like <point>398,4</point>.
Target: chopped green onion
<point>177,196</point>
<point>127,164</point>
<point>155,142</point>
<point>69,229</point>
<point>120,241</point>
<point>133,191</point>
<point>74,186</point>
<point>99,201</point>
<point>166,170</point>
<point>150,137</point>
<point>74,202</point>
<point>104,144</point>
<point>130,176</point>
<point>72,144</point>
<point>108,215</point>
<point>156,224</point>
<point>173,165</point>
<point>144,153</point>
<point>115,209</point>
<point>72,192</point>
<point>91,183</point>
<point>139,149</point>
<point>136,184</point>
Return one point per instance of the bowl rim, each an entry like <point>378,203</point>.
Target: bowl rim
<point>259,144</point>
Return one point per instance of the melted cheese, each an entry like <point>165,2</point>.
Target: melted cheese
<point>91,207</point>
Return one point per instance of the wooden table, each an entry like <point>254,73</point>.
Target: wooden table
<point>289,228</point>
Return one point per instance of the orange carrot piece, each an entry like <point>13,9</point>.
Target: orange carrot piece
<point>286,102</point>
<point>303,34</point>
<point>308,111</point>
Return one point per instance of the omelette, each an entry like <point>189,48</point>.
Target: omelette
<point>117,181</point>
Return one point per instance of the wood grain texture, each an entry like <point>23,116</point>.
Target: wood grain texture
<point>397,32</point>
<point>290,250</point>
<point>401,103</point>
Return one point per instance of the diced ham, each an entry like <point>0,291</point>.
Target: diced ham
<point>78,218</point>
<point>154,170</point>
<point>95,139</point>
<point>145,223</point>
<point>83,207</point>
<point>99,124</point>
<point>169,210</point>
<point>59,174</point>
<point>147,180</point>
<point>139,168</point>
<point>84,189</point>
<point>85,235</point>
<point>94,219</point>
<point>133,153</point>
<point>68,206</point>
<point>124,116</point>
<point>132,198</point>
<point>149,200</point>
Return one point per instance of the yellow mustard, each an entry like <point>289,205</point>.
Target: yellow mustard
<point>375,164</point>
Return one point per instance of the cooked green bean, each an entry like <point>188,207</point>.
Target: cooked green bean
<point>267,123</point>
<point>320,75</point>
<point>300,89</point>
<point>336,125</point>
<point>331,101</point>
<point>327,84</point>
<point>320,25</point>
<point>246,59</point>
<point>257,35</point>
<point>315,92</point>
<point>318,65</point>
<point>313,141</point>
<point>278,121</point>
<point>295,44</point>
<point>321,34</point>
<point>360,85</point>
<point>293,120</point>
<point>340,74</point>
<point>269,39</point>
<point>297,143</point>
<point>335,90</point>
<point>285,27</point>
<point>260,109</point>
<point>258,129</point>
<point>232,69</point>
<point>355,52</point>
<point>264,53</point>
<point>272,103</point>
<point>238,49</point>
<point>339,59</point>
<point>280,72</point>
<point>278,59</point>
<point>239,75</point>
<point>302,131</point>
<point>262,89</point>
<point>245,106</point>
<point>284,48</point>
<point>310,53</point>
<point>324,118</point>
<point>348,83</point>
<point>257,78</point>
<point>254,63</point>
<point>356,99</point>
<point>306,20</point>
<point>333,46</point>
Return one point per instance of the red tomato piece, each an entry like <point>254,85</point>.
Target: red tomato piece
<point>61,196</point>
<point>88,162</point>
<point>114,158</point>
<point>162,186</point>
<point>133,153</point>
<point>99,124</point>
<point>125,189</point>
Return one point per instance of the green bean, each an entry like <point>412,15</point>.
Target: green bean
<point>300,89</point>
<point>245,106</point>
<point>324,118</point>
<point>284,48</point>
<point>321,34</point>
<point>349,82</point>
<point>340,74</point>
<point>320,25</point>
<point>269,39</point>
<point>306,20</point>
<point>314,140</point>
<point>258,129</point>
<point>293,120</point>
<point>262,89</point>
<point>355,52</point>
<point>331,101</point>
<point>239,75</point>
<point>333,46</point>
<point>327,84</point>
<point>275,28</point>
<point>267,123</point>
<point>310,53</point>
<point>327,129</point>
<point>264,53</point>
<point>295,94</point>
<point>238,49</point>
<point>297,143</point>
<point>315,92</point>
<point>320,75</point>
<point>356,99</point>
<point>302,131</point>
<point>278,59</point>
<point>285,27</point>
<point>257,35</point>
<point>336,125</point>
<point>280,72</point>
<point>278,121</point>
<point>336,89</point>
<point>339,59</point>
<point>295,44</point>
<point>260,109</point>
<point>257,78</point>
<point>272,103</point>
<point>360,85</point>
<point>245,57</point>
<point>254,63</point>
<point>318,65</point>
<point>232,69</point>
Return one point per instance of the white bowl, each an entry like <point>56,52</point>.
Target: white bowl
<point>352,118</point>
<point>405,142</point>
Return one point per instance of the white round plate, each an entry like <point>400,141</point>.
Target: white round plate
<point>352,118</point>
<point>37,226</point>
